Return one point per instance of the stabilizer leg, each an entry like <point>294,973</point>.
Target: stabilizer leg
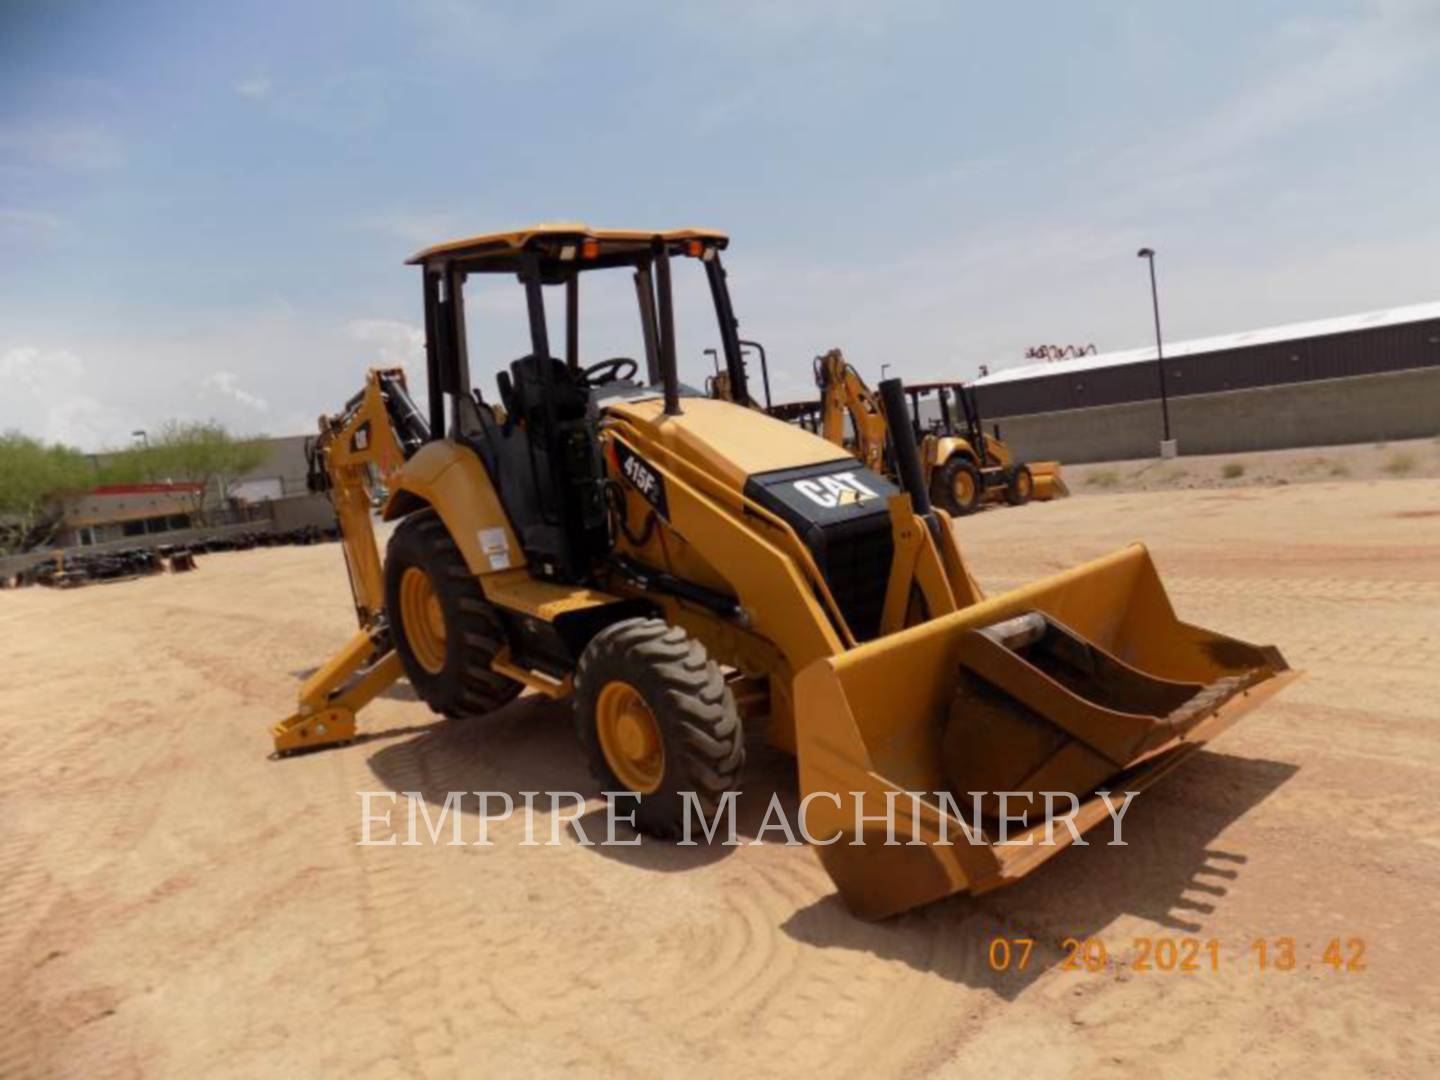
<point>332,696</point>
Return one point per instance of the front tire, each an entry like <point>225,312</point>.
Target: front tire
<point>443,629</point>
<point>958,487</point>
<point>656,718</point>
<point>1020,487</point>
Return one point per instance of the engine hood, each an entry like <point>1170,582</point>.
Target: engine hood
<point>728,441</point>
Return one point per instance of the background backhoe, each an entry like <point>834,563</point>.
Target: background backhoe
<point>964,467</point>
<point>680,567</point>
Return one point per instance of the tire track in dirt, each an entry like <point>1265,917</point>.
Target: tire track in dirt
<point>743,970</point>
<point>232,887</point>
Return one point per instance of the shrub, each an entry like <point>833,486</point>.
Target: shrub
<point>33,475</point>
<point>1232,470</point>
<point>1339,469</point>
<point>1106,478</point>
<point>1399,464</point>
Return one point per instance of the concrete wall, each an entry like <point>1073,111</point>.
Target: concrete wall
<point>1366,408</point>
<point>105,507</point>
<point>298,511</point>
<point>285,461</point>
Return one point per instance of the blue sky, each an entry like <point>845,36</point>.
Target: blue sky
<point>204,209</point>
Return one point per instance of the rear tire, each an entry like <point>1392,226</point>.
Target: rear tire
<point>655,717</point>
<point>453,633</point>
<point>958,487</point>
<point>1020,486</point>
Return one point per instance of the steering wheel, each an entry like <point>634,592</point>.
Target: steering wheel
<point>617,367</point>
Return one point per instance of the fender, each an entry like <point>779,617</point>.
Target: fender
<point>946,446</point>
<point>450,479</point>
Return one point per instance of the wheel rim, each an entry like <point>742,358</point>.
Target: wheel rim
<point>422,619</point>
<point>1023,484</point>
<point>964,487</point>
<point>630,737</point>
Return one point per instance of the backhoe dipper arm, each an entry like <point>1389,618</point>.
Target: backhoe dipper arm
<point>842,391</point>
<point>379,428</point>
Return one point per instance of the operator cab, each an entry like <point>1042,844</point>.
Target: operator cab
<point>958,415</point>
<point>541,448</point>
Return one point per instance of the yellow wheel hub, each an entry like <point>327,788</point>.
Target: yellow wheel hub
<point>964,487</point>
<point>1023,483</point>
<point>630,737</point>
<point>422,620</point>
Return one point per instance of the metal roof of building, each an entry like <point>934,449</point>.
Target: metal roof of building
<point>1268,336</point>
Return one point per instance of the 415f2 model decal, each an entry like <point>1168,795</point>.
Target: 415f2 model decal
<point>643,477</point>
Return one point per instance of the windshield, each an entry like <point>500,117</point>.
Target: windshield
<point>610,323</point>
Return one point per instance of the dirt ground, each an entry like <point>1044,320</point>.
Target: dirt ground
<point>1408,459</point>
<point>173,903</point>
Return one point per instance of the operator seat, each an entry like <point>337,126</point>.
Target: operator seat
<point>527,389</point>
<point>560,519</point>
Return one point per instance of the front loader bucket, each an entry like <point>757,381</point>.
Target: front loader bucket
<point>1048,482</point>
<point>1075,685</point>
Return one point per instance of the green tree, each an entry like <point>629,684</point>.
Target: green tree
<point>33,477</point>
<point>202,453</point>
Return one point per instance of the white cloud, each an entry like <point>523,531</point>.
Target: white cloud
<point>1346,62</point>
<point>394,343</point>
<point>268,370</point>
<point>42,399</point>
<point>1311,72</point>
<point>227,383</point>
<point>38,370</point>
<point>85,422</point>
<point>256,87</point>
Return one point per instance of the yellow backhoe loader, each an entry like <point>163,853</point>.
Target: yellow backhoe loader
<point>718,385</point>
<point>680,567</point>
<point>964,467</point>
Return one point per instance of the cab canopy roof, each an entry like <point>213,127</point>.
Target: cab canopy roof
<point>566,241</point>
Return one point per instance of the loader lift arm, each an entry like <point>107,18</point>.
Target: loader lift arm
<point>376,432</point>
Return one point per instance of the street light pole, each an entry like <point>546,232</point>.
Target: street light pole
<point>1167,447</point>
<point>144,437</point>
<point>883,368</point>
